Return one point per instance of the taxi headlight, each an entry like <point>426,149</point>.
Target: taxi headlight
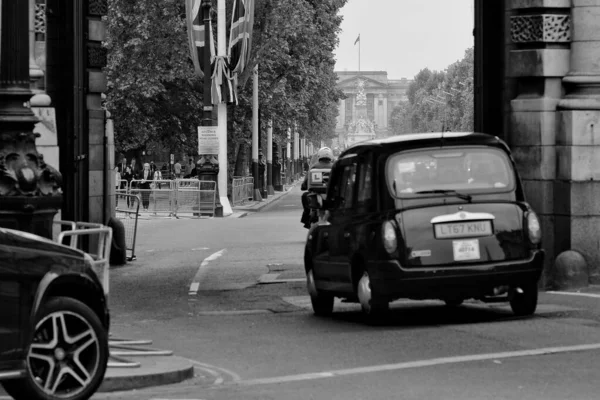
<point>388,233</point>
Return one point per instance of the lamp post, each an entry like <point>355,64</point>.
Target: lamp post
<point>206,100</point>
<point>30,193</point>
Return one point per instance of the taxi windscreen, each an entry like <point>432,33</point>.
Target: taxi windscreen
<point>464,169</point>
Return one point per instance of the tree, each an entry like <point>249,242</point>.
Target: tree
<point>438,100</point>
<point>153,95</point>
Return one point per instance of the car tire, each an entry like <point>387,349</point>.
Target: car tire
<point>372,306</point>
<point>322,303</point>
<point>525,303</point>
<point>68,333</point>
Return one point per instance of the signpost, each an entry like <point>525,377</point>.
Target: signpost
<point>208,140</point>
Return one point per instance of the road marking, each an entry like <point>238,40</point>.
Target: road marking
<point>195,285</point>
<point>418,364</point>
<point>200,248</point>
<point>592,295</point>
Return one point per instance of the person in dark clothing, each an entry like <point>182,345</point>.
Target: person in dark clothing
<point>325,161</point>
<point>146,177</point>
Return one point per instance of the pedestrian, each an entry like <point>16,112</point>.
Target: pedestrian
<point>177,170</point>
<point>117,185</point>
<point>157,175</point>
<point>146,180</point>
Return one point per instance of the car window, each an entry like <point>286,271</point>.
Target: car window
<point>342,191</point>
<point>477,169</point>
<point>365,186</point>
<point>349,181</point>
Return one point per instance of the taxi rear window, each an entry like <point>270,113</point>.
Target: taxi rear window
<point>464,169</point>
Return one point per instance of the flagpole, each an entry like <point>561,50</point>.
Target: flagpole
<point>206,99</point>
<point>222,117</point>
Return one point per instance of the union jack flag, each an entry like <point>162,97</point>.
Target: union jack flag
<point>195,24</point>
<point>224,71</point>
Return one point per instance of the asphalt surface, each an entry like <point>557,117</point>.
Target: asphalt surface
<point>229,295</point>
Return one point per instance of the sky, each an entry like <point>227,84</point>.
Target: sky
<point>404,36</point>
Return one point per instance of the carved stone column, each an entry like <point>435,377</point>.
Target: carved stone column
<point>538,59</point>
<point>578,148</point>
<point>30,191</point>
<point>101,145</point>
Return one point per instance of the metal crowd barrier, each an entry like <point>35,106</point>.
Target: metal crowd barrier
<point>242,189</point>
<point>127,212</point>
<point>196,197</point>
<point>171,197</point>
<point>98,245</point>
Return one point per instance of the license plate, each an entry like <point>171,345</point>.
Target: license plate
<point>463,229</point>
<point>466,250</point>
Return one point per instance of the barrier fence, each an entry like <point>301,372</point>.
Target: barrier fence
<point>242,189</point>
<point>127,212</point>
<point>170,197</point>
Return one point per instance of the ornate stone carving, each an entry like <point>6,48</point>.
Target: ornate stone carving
<point>547,28</point>
<point>361,125</point>
<point>98,7</point>
<point>361,97</point>
<point>40,18</point>
<point>23,171</point>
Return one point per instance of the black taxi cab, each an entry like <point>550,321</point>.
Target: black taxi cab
<point>424,216</point>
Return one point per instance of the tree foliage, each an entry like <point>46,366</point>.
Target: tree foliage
<point>438,100</point>
<point>154,96</point>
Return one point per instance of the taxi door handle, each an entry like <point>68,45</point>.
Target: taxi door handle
<point>346,235</point>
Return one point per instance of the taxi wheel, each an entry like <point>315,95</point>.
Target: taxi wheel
<point>524,303</point>
<point>322,303</point>
<point>371,306</point>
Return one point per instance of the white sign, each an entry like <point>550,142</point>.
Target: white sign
<point>208,140</point>
<point>466,250</point>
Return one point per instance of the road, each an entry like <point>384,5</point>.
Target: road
<point>229,294</point>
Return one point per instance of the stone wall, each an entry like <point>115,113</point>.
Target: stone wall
<point>101,152</point>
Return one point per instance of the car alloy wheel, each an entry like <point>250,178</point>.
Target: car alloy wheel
<point>370,305</point>
<point>68,355</point>
<point>322,304</point>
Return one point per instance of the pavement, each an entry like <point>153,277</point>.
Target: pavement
<point>134,364</point>
<point>240,211</point>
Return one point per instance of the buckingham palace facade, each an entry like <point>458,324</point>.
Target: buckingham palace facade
<point>370,99</point>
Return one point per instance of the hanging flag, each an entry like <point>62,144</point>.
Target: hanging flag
<point>240,39</point>
<point>357,39</point>
<point>196,36</point>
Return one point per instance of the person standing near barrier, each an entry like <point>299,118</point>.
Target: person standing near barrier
<point>157,176</point>
<point>146,179</point>
<point>177,170</point>
<point>117,185</point>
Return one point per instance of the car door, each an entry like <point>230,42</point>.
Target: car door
<point>341,222</point>
<point>10,296</point>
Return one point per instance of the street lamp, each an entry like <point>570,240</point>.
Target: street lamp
<point>30,193</point>
<point>206,100</point>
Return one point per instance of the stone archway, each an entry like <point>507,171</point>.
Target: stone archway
<point>538,88</point>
